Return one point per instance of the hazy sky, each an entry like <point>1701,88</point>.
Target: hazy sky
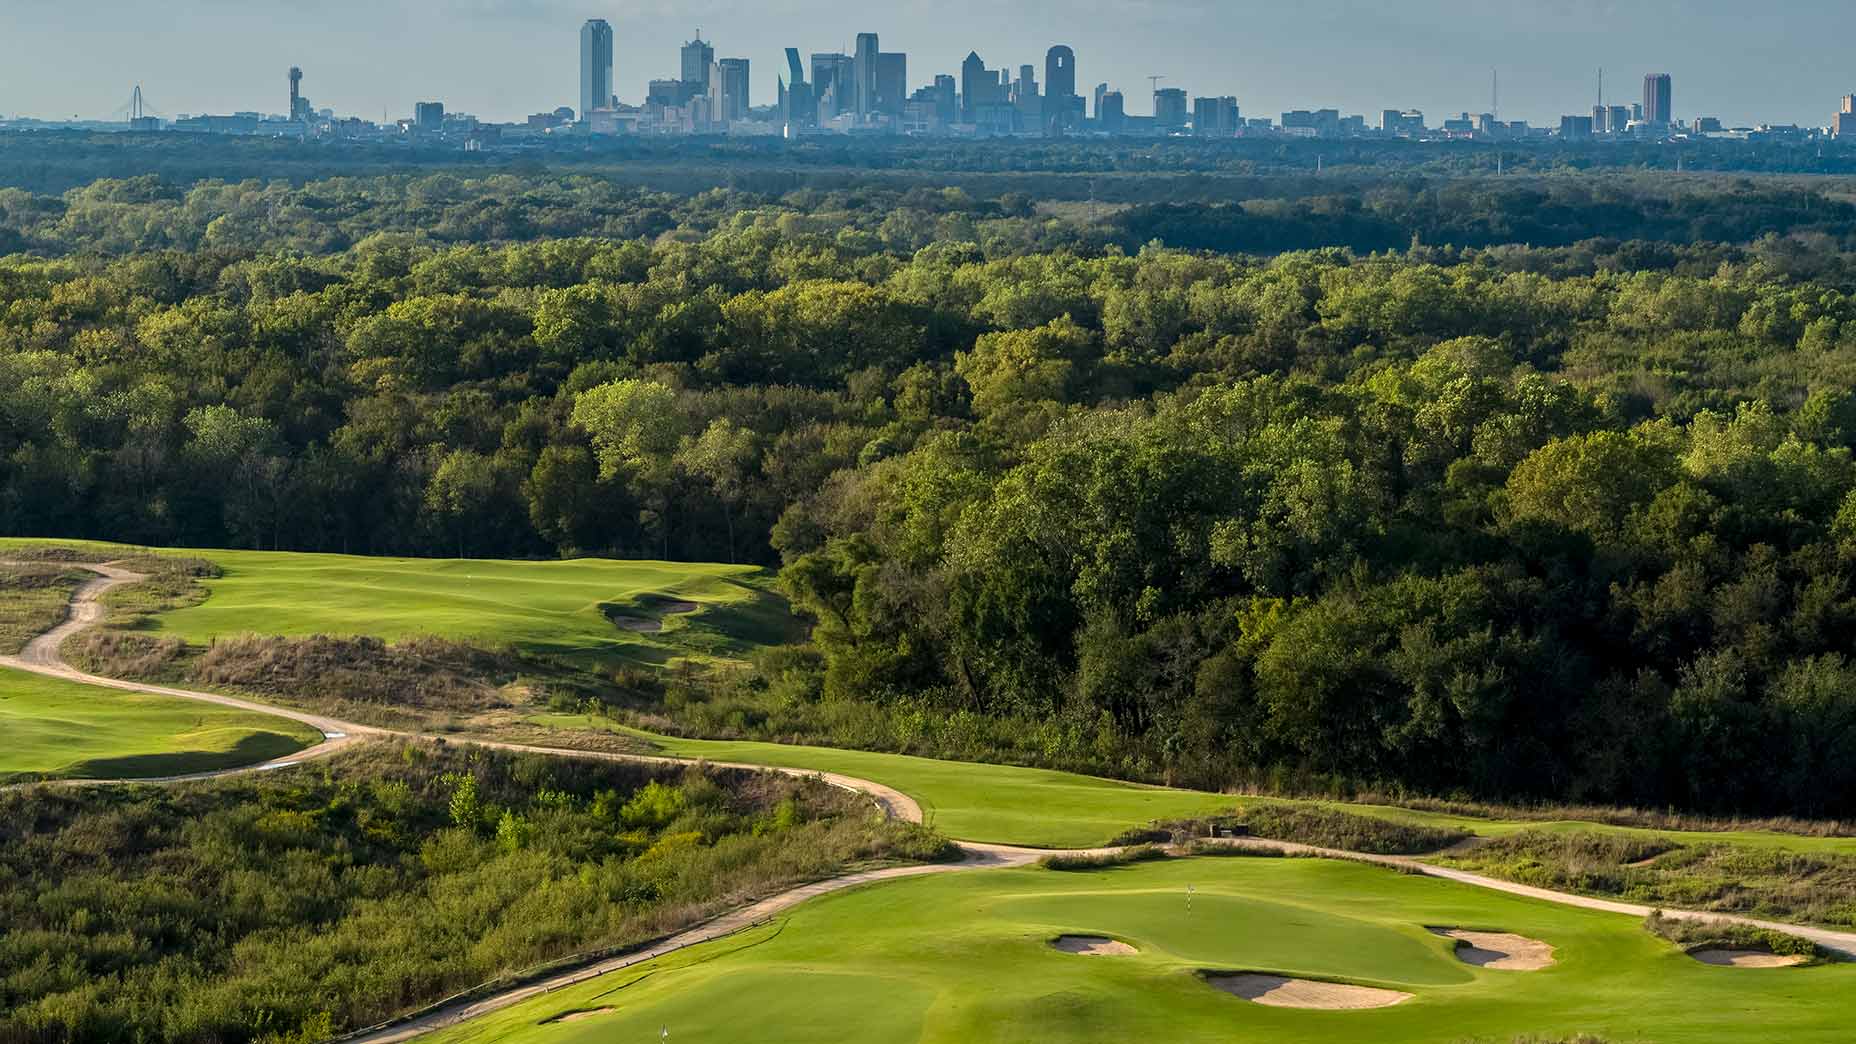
<point>1777,61</point>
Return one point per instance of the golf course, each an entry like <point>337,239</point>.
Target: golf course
<point>57,729</point>
<point>1206,947</point>
<point>968,957</point>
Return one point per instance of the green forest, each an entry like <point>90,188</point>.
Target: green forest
<point>1538,488</point>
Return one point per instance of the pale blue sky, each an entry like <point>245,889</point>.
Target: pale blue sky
<point>1778,61</point>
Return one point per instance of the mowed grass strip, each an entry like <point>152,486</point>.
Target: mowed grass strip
<point>52,729</point>
<point>966,957</point>
<point>558,608</point>
<point>1043,808</point>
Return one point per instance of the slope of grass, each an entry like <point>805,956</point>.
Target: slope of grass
<point>576,609</point>
<point>965,957</point>
<point>51,729</point>
<point>1044,808</point>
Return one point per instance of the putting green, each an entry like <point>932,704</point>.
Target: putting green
<point>965,957</point>
<point>52,729</point>
<point>554,608</point>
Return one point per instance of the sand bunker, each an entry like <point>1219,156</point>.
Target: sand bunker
<point>1092,946</point>
<point>1279,992</point>
<point>576,1016</point>
<point>650,624</point>
<point>1500,951</point>
<point>1746,959</point>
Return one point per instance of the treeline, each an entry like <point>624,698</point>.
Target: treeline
<point>1259,215</point>
<point>328,899</point>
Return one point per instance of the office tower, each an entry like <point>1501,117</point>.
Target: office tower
<point>1617,119</point>
<point>974,90</point>
<point>1214,117</point>
<point>1844,126</point>
<point>863,76</point>
<point>1849,105</point>
<point>1658,99</point>
<point>1061,104</point>
<point>1601,120</point>
<point>1101,92</point>
<point>698,62</point>
<point>831,84</point>
<point>946,98</point>
<point>1112,112</point>
<point>798,105</point>
<point>596,87</point>
<point>1575,126</point>
<point>728,90</point>
<point>429,116</point>
<point>1170,108</point>
<point>299,106</point>
<point>595,67</point>
<point>892,82</point>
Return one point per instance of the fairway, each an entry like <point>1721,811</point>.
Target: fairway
<point>576,609</point>
<point>966,957</point>
<point>55,729</point>
<point>1043,808</point>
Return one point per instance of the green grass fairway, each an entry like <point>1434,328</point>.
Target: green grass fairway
<point>554,608</point>
<point>964,957</point>
<point>1042,808</point>
<point>51,729</point>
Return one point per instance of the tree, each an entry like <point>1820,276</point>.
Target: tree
<point>722,455</point>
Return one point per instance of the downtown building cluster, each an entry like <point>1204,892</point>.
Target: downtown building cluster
<point>868,92</point>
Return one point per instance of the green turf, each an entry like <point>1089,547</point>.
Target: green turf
<point>555,608</point>
<point>1047,809</point>
<point>52,729</point>
<point>964,958</point>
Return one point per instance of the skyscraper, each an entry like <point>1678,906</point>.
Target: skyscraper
<point>698,59</point>
<point>892,82</point>
<point>1061,105</point>
<point>863,76</point>
<point>595,66</point>
<point>975,91</point>
<point>297,107</point>
<point>728,90</point>
<point>1170,108</point>
<point>1658,98</point>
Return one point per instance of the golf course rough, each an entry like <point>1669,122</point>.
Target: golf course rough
<point>968,957</point>
<point>55,729</point>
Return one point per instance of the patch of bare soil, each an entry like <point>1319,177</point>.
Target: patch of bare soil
<point>1745,958</point>
<point>1279,992</point>
<point>1092,946</point>
<point>578,1016</point>
<point>1500,951</point>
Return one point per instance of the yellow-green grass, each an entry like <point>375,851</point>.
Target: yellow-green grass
<point>561,608</point>
<point>53,729</point>
<point>965,958</point>
<point>1043,808</point>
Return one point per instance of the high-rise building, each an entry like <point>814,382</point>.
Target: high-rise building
<point>728,90</point>
<point>1170,108</point>
<point>1062,108</point>
<point>1658,99</point>
<point>1215,117</point>
<point>1402,122</point>
<point>892,82</point>
<point>1101,90</point>
<point>429,116</point>
<point>1575,126</point>
<point>863,75</point>
<point>698,62</point>
<point>1112,112</point>
<point>978,86</point>
<point>798,105</point>
<point>299,105</point>
<point>832,84</point>
<point>595,66</point>
<point>946,98</point>
<point>1845,125</point>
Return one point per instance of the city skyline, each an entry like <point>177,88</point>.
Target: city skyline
<point>501,59</point>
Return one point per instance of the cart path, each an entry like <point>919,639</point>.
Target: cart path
<point>43,656</point>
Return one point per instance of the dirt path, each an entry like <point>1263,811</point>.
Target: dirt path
<point>42,656</point>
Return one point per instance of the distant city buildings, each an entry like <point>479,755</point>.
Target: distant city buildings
<point>595,67</point>
<point>868,91</point>
<point>1659,99</point>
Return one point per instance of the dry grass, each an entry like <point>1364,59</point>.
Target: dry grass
<point>33,600</point>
